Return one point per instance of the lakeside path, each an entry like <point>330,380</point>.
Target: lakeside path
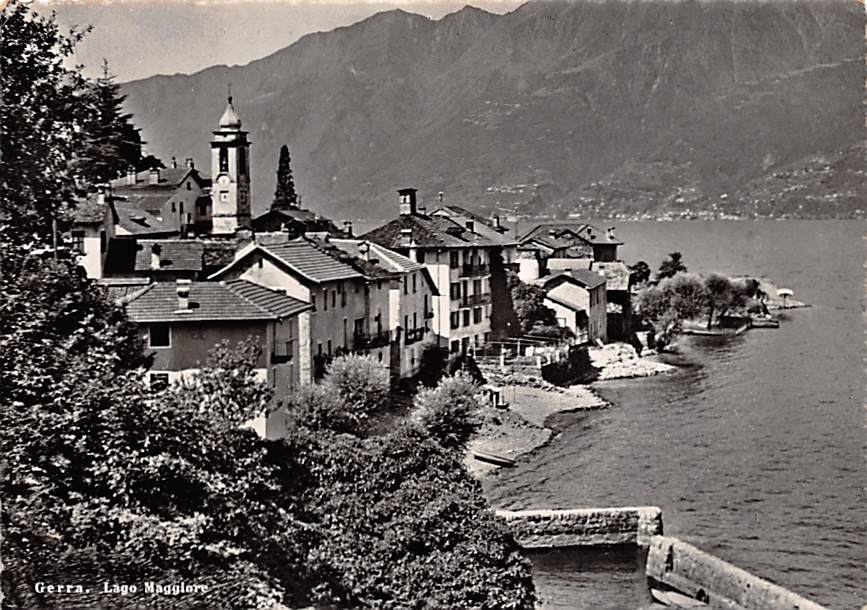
<point>520,428</point>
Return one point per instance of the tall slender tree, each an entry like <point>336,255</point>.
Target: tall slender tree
<point>285,196</point>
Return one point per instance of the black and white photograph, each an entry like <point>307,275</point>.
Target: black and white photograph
<point>417,304</point>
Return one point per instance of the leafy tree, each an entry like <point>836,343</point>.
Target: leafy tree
<point>404,525</point>
<point>639,273</point>
<point>529,304</point>
<point>723,295</point>
<point>285,196</point>
<point>672,301</point>
<point>671,266</point>
<point>361,382</point>
<point>317,407</point>
<point>112,143</point>
<point>449,412</point>
<point>44,108</point>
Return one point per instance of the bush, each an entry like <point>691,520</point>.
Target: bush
<point>318,408</point>
<point>449,412</point>
<point>361,382</point>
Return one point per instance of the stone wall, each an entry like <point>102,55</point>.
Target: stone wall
<point>584,526</point>
<point>722,585</point>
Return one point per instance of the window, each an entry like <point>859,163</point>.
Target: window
<point>477,315</point>
<point>415,320</point>
<point>455,347</point>
<point>78,241</point>
<point>189,186</point>
<point>379,355</point>
<point>414,282</point>
<point>242,161</point>
<point>224,196</point>
<point>419,256</point>
<point>174,207</point>
<point>405,323</point>
<point>198,331</point>
<point>203,209</point>
<point>313,301</point>
<point>329,347</point>
<point>455,319</point>
<point>454,261</point>
<point>333,298</point>
<point>224,159</point>
<point>455,290</point>
<point>405,284</point>
<point>319,349</point>
<point>159,335</point>
<point>477,287</point>
<point>343,299</point>
<point>158,381</point>
<point>345,333</point>
<point>325,301</point>
<point>466,317</point>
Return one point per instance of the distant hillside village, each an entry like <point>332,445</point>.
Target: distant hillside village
<point>182,251</point>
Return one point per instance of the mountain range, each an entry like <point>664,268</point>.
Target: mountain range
<point>597,108</point>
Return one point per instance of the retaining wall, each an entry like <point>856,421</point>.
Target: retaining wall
<point>700,575</point>
<point>535,529</point>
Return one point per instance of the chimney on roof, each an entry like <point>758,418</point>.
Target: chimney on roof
<point>364,250</point>
<point>183,290</point>
<point>130,176</point>
<point>552,233</point>
<point>174,163</point>
<point>347,228</point>
<point>471,226</point>
<point>440,196</point>
<point>407,201</point>
<point>497,221</point>
<point>422,210</point>
<point>243,236</point>
<point>100,193</point>
<point>156,250</point>
<point>188,163</point>
<point>609,233</point>
<point>154,176</point>
<point>590,233</point>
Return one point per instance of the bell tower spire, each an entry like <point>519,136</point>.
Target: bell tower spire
<point>230,172</point>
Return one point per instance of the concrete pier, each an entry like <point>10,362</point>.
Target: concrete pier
<point>719,584</point>
<point>536,529</point>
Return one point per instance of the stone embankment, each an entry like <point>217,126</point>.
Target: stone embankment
<point>536,529</point>
<point>719,584</point>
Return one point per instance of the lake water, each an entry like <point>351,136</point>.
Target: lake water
<point>754,449</point>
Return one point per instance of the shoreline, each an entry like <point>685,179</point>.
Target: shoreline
<point>520,428</point>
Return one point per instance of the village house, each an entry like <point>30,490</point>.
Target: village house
<point>178,197</point>
<point>101,218</point>
<point>342,299</point>
<point>579,301</point>
<point>169,259</point>
<point>182,321</point>
<point>458,258</point>
<point>411,293</point>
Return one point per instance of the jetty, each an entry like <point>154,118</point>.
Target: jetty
<point>678,574</point>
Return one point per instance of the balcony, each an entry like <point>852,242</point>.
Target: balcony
<point>474,300</point>
<point>414,334</point>
<point>371,341</point>
<point>473,269</point>
<point>282,352</point>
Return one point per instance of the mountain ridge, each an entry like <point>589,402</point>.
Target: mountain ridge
<point>552,95</point>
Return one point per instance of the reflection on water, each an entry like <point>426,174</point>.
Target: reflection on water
<point>755,450</point>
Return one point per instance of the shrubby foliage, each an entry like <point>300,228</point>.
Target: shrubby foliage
<point>671,266</point>
<point>529,304</point>
<point>449,412</point>
<point>105,480</point>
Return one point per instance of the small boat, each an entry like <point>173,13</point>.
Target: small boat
<point>674,599</point>
<point>764,322</point>
<point>496,460</point>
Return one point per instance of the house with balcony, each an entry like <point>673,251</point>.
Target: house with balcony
<point>458,258</point>
<point>411,293</point>
<point>350,309</point>
<point>182,321</point>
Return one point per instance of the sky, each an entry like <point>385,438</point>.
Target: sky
<point>140,38</point>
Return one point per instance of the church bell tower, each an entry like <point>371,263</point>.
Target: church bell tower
<point>230,174</point>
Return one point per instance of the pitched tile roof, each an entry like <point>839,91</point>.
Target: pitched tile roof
<point>210,301</point>
<point>584,277</point>
<point>482,226</point>
<point>388,259</point>
<point>588,233</point>
<point>427,232</point>
<point>616,272</point>
<point>175,254</point>
<point>88,210</point>
<point>302,257</point>
<point>123,288</point>
<point>169,177</point>
<point>591,279</point>
<point>140,222</point>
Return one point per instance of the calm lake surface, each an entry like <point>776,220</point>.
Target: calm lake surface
<point>754,449</point>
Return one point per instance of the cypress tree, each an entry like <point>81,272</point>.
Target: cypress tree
<point>285,195</point>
